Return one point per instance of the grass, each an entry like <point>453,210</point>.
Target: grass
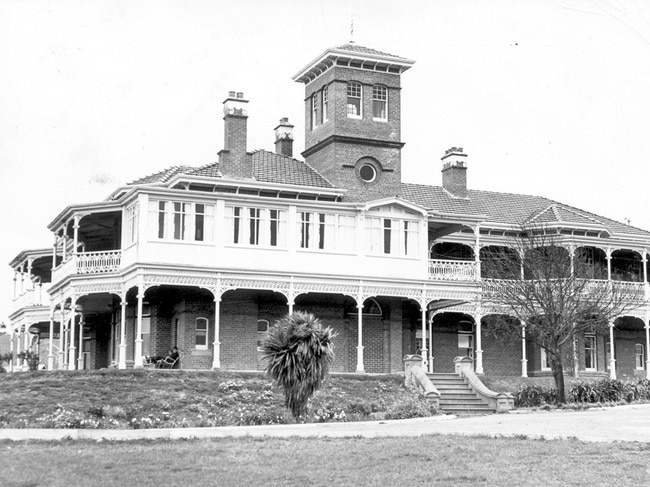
<point>155,399</point>
<point>430,460</point>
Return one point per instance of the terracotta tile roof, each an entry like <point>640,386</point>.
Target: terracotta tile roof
<point>509,208</point>
<point>210,170</point>
<point>365,50</point>
<point>276,168</point>
<point>267,167</point>
<point>161,176</point>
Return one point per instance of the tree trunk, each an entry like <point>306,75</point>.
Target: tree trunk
<point>558,376</point>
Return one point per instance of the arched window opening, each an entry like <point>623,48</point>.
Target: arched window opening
<point>639,354</point>
<point>201,334</point>
<point>626,266</point>
<point>549,262</point>
<point>262,330</point>
<point>451,251</point>
<point>500,263</point>
<point>590,263</point>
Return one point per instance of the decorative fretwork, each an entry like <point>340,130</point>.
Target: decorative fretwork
<point>98,262</point>
<point>83,289</point>
<point>452,270</point>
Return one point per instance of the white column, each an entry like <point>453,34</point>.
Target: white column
<point>80,359</point>
<point>423,318</point>
<point>216,345</point>
<point>137,358</point>
<point>612,359</point>
<point>477,251</point>
<point>121,359</point>
<point>644,260</point>
<point>479,349</point>
<point>15,283</point>
<point>524,359</point>
<point>360,367</point>
<point>608,256</point>
<point>62,325</point>
<point>75,241</point>
<point>431,315</point>
<point>12,337</point>
<point>647,347</point>
<point>72,364</point>
<point>30,282</point>
<point>50,345</point>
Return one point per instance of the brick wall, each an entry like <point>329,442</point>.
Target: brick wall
<point>501,358</point>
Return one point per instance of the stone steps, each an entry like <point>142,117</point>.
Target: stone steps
<point>456,395</point>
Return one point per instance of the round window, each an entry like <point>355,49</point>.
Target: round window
<point>368,173</point>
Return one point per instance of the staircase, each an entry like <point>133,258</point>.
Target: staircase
<point>457,396</point>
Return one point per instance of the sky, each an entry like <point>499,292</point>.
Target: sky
<point>547,98</point>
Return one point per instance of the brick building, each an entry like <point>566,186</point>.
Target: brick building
<point>206,258</point>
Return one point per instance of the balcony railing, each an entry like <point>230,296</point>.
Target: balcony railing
<point>98,262</point>
<point>32,297</point>
<point>453,270</point>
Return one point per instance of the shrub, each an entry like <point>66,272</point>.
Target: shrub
<point>411,406</point>
<point>532,395</point>
<point>607,390</point>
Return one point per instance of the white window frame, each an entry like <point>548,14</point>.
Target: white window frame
<point>179,221</point>
<point>401,237</point>
<point>249,226</point>
<point>198,320</point>
<point>592,351</point>
<point>380,95</point>
<point>325,232</point>
<point>544,363</point>
<point>357,94</point>
<point>639,351</point>
<point>324,96</point>
<point>314,111</point>
<point>131,234</point>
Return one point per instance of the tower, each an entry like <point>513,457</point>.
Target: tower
<point>353,119</point>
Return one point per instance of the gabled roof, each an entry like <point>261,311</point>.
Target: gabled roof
<point>511,209</point>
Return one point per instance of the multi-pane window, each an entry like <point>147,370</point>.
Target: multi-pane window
<point>546,364</point>
<point>177,220</point>
<point>354,99</point>
<point>201,333</point>
<point>590,352</point>
<point>314,111</point>
<point>393,236</point>
<point>256,226</point>
<point>325,102</point>
<point>131,224</point>
<point>379,102</point>
<point>326,231</point>
<point>639,356</point>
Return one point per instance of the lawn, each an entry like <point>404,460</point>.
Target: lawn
<point>429,460</point>
<point>164,399</point>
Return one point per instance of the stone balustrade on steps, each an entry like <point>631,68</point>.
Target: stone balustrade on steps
<point>462,391</point>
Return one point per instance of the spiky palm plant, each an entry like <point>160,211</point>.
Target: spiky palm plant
<point>299,352</point>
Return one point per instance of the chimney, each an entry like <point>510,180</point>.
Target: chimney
<point>233,159</point>
<point>454,172</point>
<point>284,138</point>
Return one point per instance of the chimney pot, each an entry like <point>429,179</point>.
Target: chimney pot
<point>284,138</point>
<point>240,94</point>
<point>231,94</point>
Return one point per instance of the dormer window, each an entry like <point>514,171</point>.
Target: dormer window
<point>379,103</point>
<point>354,99</point>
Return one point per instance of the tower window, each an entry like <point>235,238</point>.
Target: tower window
<point>379,102</point>
<point>314,111</point>
<point>354,99</point>
<point>368,173</point>
<point>325,102</point>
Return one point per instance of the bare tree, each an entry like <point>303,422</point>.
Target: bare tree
<point>557,295</point>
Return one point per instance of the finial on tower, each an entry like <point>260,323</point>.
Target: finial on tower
<point>351,29</point>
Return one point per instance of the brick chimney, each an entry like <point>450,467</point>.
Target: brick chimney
<point>284,138</point>
<point>454,172</point>
<point>234,161</point>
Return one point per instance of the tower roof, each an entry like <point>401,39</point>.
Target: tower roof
<point>354,56</point>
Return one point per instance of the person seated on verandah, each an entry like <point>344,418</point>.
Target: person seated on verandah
<point>170,360</point>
